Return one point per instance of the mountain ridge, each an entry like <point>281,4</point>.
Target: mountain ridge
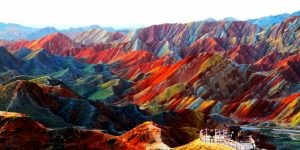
<point>182,77</point>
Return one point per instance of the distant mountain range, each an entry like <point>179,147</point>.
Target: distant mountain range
<point>272,20</point>
<point>14,32</point>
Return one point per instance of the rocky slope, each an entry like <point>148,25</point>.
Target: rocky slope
<point>54,104</point>
<point>97,36</point>
<point>211,67</point>
<point>183,77</point>
<point>16,133</point>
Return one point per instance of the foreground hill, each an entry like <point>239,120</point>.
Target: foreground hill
<point>16,133</point>
<point>55,105</point>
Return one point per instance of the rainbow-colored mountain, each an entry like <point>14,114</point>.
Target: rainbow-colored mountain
<point>153,87</point>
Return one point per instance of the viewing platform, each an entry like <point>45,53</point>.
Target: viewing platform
<point>222,137</point>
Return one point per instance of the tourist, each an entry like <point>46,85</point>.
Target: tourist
<point>232,135</point>
<point>252,141</point>
<point>212,134</point>
<point>239,136</point>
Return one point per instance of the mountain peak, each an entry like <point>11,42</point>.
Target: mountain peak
<point>56,43</point>
<point>229,19</point>
<point>56,35</point>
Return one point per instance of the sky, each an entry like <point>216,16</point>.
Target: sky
<point>135,13</point>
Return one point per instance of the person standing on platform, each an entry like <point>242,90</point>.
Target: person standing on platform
<point>252,141</point>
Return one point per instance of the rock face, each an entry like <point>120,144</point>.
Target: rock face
<point>97,36</point>
<point>287,32</point>
<point>171,84</point>
<point>180,36</point>
<point>94,56</point>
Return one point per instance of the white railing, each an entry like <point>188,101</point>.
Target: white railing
<point>221,137</point>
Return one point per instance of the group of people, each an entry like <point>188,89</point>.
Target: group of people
<point>238,136</point>
<point>235,135</point>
